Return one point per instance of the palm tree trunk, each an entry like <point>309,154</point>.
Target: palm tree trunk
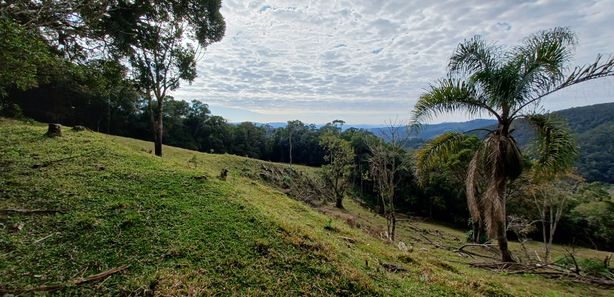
<point>506,255</point>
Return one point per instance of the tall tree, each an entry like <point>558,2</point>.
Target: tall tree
<point>293,127</point>
<point>387,160</point>
<point>157,37</point>
<point>507,85</point>
<point>340,158</point>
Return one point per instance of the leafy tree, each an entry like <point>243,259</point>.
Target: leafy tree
<point>249,140</point>
<point>360,139</point>
<point>156,37</point>
<point>505,84</point>
<point>22,56</point>
<point>594,221</point>
<point>340,158</point>
<point>71,27</point>
<point>196,123</point>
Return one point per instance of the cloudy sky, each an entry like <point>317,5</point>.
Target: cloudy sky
<point>368,61</point>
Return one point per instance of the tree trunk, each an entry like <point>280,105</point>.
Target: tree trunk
<point>290,147</point>
<point>339,203</point>
<point>159,129</point>
<point>500,174</point>
<point>475,226</point>
<point>550,235</point>
<point>544,227</point>
<point>108,115</point>
<point>393,222</point>
<point>158,141</point>
<point>506,255</point>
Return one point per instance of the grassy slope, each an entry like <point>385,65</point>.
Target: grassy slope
<point>184,234</point>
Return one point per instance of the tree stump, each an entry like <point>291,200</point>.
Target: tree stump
<point>223,174</point>
<point>54,130</point>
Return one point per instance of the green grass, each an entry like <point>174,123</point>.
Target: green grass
<point>184,232</point>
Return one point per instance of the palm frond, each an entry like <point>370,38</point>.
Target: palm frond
<point>555,145</point>
<point>541,60</point>
<point>494,209</point>
<point>473,55</point>
<point>495,162</point>
<point>599,69</point>
<point>448,96</point>
<point>434,153</point>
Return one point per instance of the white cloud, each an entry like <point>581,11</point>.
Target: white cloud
<point>368,61</point>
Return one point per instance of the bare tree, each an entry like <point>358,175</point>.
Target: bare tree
<point>388,158</point>
<point>551,199</point>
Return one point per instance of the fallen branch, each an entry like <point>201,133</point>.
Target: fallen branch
<point>41,239</point>
<point>572,255</point>
<point>436,244</point>
<point>74,282</point>
<point>463,251</point>
<point>28,211</point>
<point>544,270</point>
<point>483,245</point>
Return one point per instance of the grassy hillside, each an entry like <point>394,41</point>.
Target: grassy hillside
<point>181,231</point>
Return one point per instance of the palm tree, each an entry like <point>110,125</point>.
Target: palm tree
<point>506,84</point>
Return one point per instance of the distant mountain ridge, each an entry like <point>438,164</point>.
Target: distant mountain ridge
<point>429,131</point>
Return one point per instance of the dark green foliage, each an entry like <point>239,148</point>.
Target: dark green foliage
<point>23,57</point>
<point>339,162</point>
<point>596,162</point>
<point>592,218</point>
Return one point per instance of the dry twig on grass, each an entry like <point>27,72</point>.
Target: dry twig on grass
<point>29,211</point>
<point>486,246</point>
<point>74,282</point>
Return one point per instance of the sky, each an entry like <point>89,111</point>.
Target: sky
<point>367,62</point>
